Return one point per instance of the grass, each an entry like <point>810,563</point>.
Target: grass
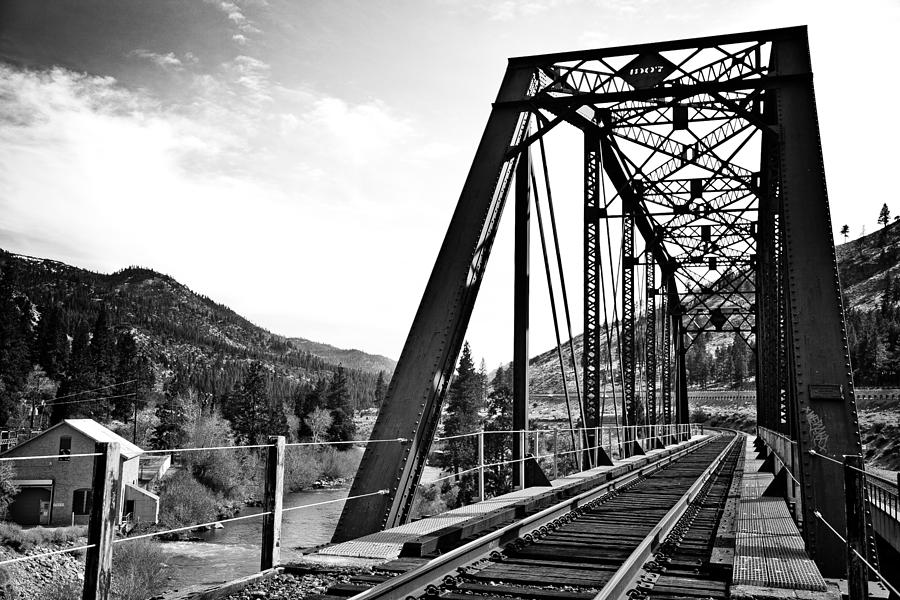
<point>15,537</point>
<point>137,570</point>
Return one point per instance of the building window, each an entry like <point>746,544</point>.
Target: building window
<point>65,447</point>
<point>81,502</point>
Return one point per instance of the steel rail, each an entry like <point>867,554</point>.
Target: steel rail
<point>414,582</point>
<point>626,576</point>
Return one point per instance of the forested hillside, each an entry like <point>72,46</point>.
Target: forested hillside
<point>870,276</point>
<point>91,344</point>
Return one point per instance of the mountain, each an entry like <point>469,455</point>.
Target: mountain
<point>867,264</point>
<point>355,359</point>
<point>177,329</point>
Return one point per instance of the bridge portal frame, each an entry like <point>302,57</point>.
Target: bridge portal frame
<point>807,390</point>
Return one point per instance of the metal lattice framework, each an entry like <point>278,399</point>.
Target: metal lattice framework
<point>708,152</point>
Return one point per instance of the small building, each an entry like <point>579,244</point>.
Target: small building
<point>57,491</point>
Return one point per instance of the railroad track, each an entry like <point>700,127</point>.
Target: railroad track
<point>647,535</point>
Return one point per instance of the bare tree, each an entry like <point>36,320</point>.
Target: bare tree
<point>318,421</point>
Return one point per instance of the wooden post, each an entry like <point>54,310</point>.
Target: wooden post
<point>102,524</point>
<point>597,443</point>
<point>855,504</point>
<point>273,497</point>
<point>481,466</point>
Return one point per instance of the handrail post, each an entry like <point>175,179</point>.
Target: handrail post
<point>854,502</point>
<point>521,466</point>
<point>596,446</point>
<point>102,524</point>
<point>556,454</point>
<point>481,466</point>
<point>273,499</point>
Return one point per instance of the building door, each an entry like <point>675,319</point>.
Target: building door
<point>31,506</point>
<point>45,512</point>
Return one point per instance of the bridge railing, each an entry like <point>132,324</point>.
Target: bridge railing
<point>559,451</point>
<point>883,494</point>
<point>106,505</point>
<point>861,487</point>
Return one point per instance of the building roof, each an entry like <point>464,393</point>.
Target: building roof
<point>99,433</point>
<point>93,430</point>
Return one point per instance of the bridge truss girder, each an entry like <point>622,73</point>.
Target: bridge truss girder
<point>738,246</point>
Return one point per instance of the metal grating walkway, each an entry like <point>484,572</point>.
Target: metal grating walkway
<point>769,550</point>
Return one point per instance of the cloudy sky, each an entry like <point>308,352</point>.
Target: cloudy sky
<point>298,160</point>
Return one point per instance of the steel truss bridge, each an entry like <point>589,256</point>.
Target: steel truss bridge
<point>705,211</point>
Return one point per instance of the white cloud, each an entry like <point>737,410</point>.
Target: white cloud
<point>164,61</point>
<point>234,12</point>
<point>220,191</point>
<point>504,10</point>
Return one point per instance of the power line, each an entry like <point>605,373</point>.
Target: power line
<point>54,403</point>
<point>96,389</point>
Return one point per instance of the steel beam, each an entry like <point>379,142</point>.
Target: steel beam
<point>521,289</point>
<point>666,362</point>
<point>650,344</point>
<point>592,247</point>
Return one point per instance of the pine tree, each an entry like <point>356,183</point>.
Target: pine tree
<point>497,448</point>
<point>170,432</point>
<point>51,344</point>
<point>462,417</point>
<point>739,360</point>
<point>248,406</point>
<point>15,333</point>
<point>75,397</point>
<point>102,347</point>
<point>306,401</point>
<point>845,231</point>
<point>482,384</point>
<point>380,389</point>
<point>887,296</point>
<point>884,216</point>
<point>337,400</point>
<point>134,368</point>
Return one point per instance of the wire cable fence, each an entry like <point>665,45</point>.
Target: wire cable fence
<point>862,488</point>
<point>548,446</point>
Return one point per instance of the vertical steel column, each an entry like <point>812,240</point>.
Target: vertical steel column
<point>666,362</point>
<point>628,352</point>
<point>650,343</point>
<point>821,382</point>
<point>768,392</point>
<point>521,288</point>
<point>591,349</point>
<point>681,396</point>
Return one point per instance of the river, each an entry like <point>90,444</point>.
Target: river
<point>232,552</point>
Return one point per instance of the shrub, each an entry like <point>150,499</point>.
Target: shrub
<point>301,469</point>
<point>304,466</point>
<point>335,464</point>
<point>137,570</point>
<point>184,501</point>
<point>8,489</point>
<point>219,470</point>
<point>63,590</point>
<point>22,540</point>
